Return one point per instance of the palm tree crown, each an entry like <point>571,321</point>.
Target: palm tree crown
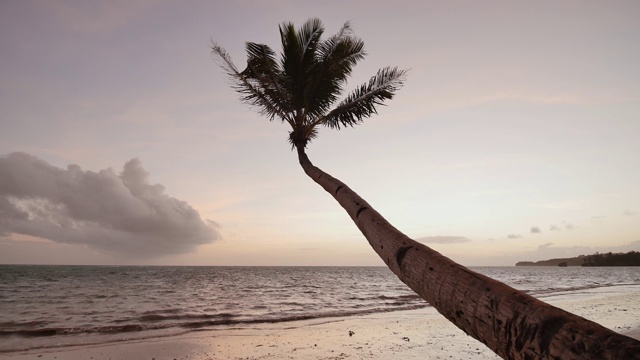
<point>304,85</point>
<point>302,88</point>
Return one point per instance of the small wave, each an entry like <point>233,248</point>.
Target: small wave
<point>407,297</point>
<point>399,297</point>
<point>31,333</point>
<point>291,303</point>
<point>45,332</point>
<point>572,288</point>
<point>158,317</point>
<point>194,322</point>
<point>26,324</point>
<point>164,311</point>
<point>307,316</point>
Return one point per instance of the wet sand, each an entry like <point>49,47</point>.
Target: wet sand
<point>414,334</point>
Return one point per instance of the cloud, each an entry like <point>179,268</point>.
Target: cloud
<point>562,225</point>
<point>629,213</point>
<point>544,246</point>
<point>535,230</point>
<point>443,239</point>
<point>514,236</point>
<point>121,213</point>
<point>308,249</point>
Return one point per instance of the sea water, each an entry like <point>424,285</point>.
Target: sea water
<point>49,306</point>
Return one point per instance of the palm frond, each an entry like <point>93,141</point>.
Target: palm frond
<point>251,89</point>
<point>309,35</point>
<point>362,102</point>
<point>261,59</point>
<point>262,67</point>
<point>224,59</point>
<point>304,83</point>
<point>298,57</point>
<point>343,48</point>
<point>336,58</point>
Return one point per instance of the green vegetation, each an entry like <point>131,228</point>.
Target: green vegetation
<point>632,258</point>
<point>576,261</point>
<point>302,87</point>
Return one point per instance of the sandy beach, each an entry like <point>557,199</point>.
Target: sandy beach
<point>413,334</point>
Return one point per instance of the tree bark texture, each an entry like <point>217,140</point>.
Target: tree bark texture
<point>511,323</point>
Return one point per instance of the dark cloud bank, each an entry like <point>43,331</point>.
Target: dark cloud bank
<point>121,213</point>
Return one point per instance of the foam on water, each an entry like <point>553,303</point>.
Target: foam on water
<point>44,306</point>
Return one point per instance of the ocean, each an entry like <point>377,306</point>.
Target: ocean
<point>53,306</point>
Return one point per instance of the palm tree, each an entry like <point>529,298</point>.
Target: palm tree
<point>302,87</point>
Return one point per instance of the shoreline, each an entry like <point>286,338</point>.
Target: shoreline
<point>409,334</point>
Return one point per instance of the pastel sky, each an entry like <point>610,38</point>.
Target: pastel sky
<point>516,136</point>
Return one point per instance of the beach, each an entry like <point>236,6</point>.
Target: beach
<point>410,334</point>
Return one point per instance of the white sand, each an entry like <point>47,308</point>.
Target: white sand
<point>416,334</point>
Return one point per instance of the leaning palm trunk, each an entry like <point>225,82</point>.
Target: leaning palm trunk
<point>511,323</point>
<point>302,88</point>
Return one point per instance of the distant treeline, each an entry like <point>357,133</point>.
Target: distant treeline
<point>576,261</point>
<point>632,258</point>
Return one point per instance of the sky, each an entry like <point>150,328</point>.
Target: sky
<point>514,138</point>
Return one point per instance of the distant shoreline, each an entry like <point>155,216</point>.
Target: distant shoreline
<point>632,258</point>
